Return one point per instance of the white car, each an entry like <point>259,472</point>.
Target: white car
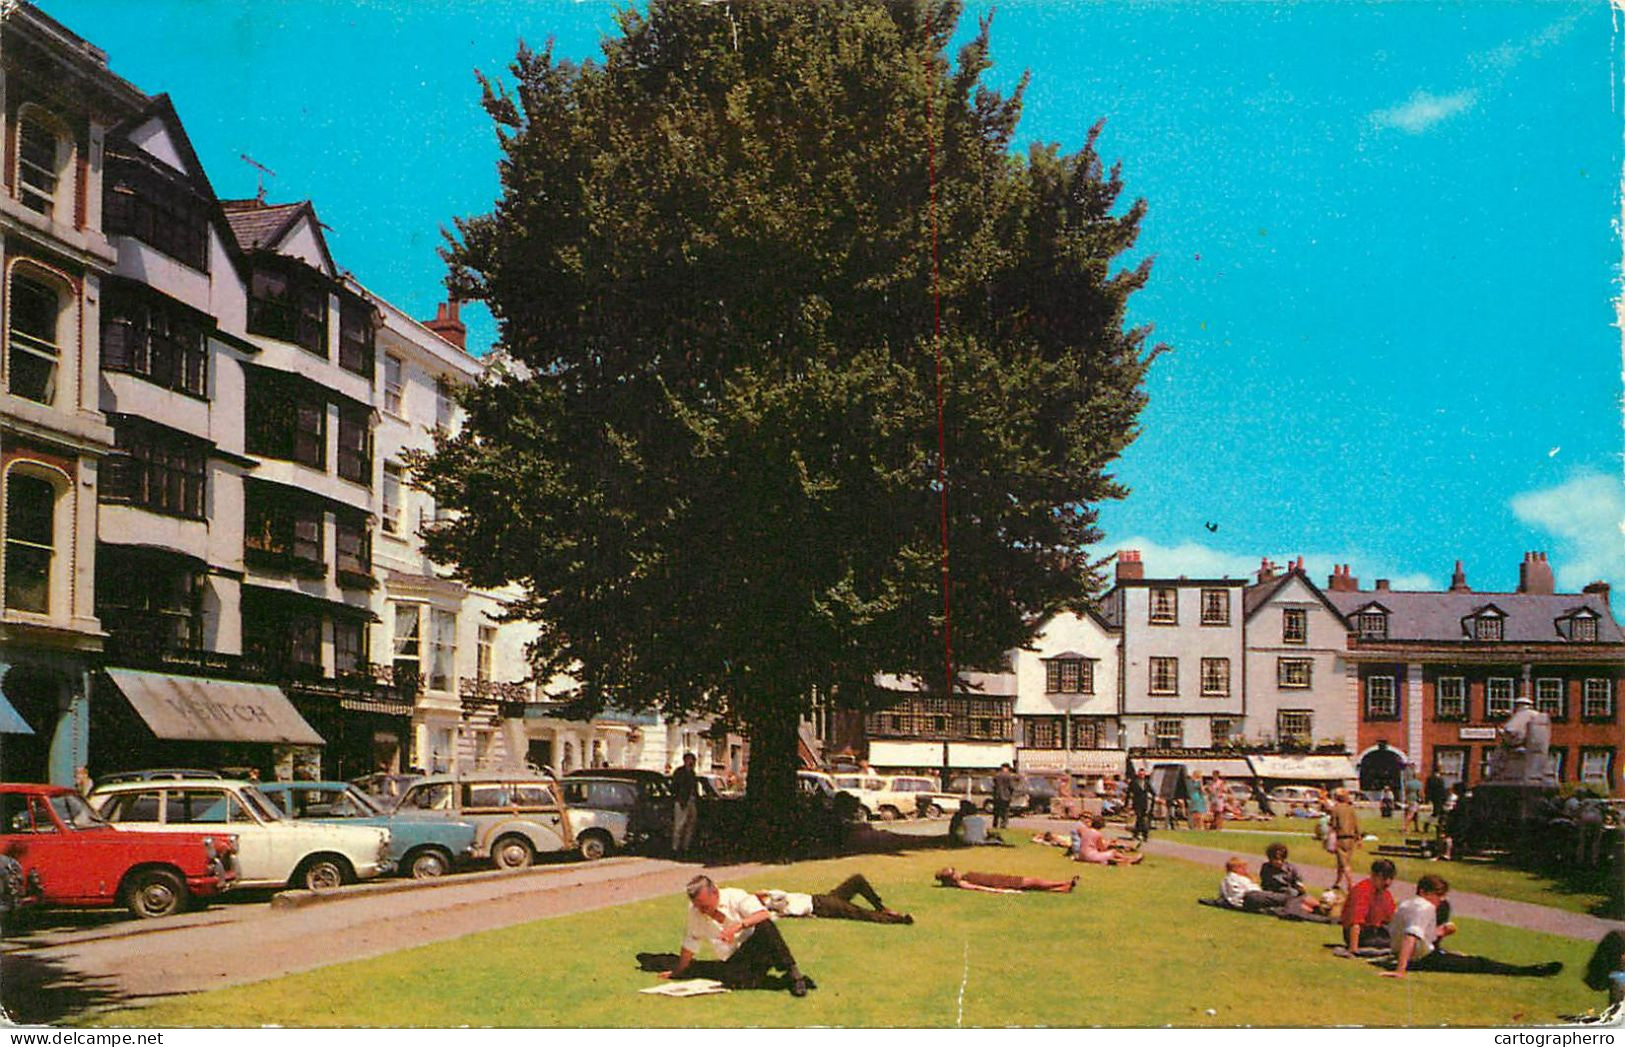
<point>885,796</point>
<point>1291,795</point>
<point>273,850</point>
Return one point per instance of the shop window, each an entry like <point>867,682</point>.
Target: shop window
<point>1042,732</point>
<point>30,538</point>
<point>33,337</point>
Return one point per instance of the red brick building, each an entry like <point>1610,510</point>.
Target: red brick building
<point>1437,672</point>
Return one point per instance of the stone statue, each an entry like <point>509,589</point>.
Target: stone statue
<point>1525,739</point>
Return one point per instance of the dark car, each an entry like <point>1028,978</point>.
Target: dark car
<point>650,809</point>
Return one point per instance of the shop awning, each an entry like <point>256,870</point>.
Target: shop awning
<point>1091,762</point>
<point>11,721</point>
<point>1229,766</point>
<point>200,709</point>
<point>1305,768</point>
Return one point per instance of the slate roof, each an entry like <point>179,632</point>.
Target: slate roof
<point>1428,616</point>
<point>1255,596</point>
<point>260,225</point>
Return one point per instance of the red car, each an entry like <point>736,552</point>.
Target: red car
<point>69,857</point>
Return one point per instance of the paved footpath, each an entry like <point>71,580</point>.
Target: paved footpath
<point>46,977</point>
<point>1462,903</point>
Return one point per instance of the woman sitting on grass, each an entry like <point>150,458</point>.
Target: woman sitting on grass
<point>1093,846</point>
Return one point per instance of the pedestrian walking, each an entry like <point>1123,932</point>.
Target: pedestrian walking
<point>1218,800</point>
<point>1344,830</point>
<point>685,791</point>
<point>1140,801</point>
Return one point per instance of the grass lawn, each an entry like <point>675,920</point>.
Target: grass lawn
<point>1129,948</point>
<point>1481,877</point>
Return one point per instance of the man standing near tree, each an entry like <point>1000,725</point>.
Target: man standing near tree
<point>685,816</point>
<point>1004,791</point>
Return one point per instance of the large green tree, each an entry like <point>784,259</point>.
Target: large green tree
<point>712,467</point>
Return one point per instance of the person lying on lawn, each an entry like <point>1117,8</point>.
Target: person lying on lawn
<point>1415,933</point>
<point>741,934</point>
<point>1094,847</point>
<point>1238,891</point>
<point>1001,883</point>
<point>835,905</point>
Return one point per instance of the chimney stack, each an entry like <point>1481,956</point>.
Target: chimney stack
<point>446,325</point>
<point>1458,580</point>
<point>1266,570</point>
<point>1129,565</point>
<point>1342,581</point>
<point>1535,575</point>
<point>1601,589</point>
<point>1382,585</point>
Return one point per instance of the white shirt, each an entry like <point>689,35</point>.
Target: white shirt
<point>733,905</point>
<point>1416,917</point>
<point>788,903</point>
<point>1234,887</point>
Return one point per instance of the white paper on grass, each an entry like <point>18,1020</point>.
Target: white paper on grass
<point>688,987</point>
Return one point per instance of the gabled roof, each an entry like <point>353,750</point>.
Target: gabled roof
<point>162,109</point>
<point>1437,616</point>
<point>1255,597</point>
<point>259,226</point>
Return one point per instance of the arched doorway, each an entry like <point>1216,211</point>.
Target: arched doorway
<point>1382,767</point>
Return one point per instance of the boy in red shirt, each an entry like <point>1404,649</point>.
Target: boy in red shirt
<point>1368,909</point>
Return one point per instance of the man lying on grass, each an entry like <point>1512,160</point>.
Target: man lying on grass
<point>1416,935</point>
<point>742,936</point>
<point>835,905</point>
<point>1002,883</point>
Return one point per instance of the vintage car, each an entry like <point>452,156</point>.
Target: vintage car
<point>516,816</point>
<point>886,796</point>
<point>386,788</point>
<point>67,856</point>
<point>420,848</point>
<point>272,851</point>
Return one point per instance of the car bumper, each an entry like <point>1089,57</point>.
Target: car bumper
<point>221,877</point>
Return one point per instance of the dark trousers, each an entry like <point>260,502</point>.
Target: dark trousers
<point>1142,823</point>
<point>1373,938</point>
<point>1259,901</point>
<point>1001,813</point>
<point>747,968</point>
<point>837,904</point>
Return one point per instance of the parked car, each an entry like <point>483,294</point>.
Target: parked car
<point>385,788</point>
<point>516,816</point>
<point>157,774</point>
<point>63,854</point>
<point>1240,792</point>
<point>272,850</point>
<point>1295,794</point>
<point>978,789</point>
<point>418,848</point>
<point>648,813</point>
<point>1042,787</point>
<point>888,797</point>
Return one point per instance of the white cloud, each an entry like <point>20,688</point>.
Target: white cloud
<point>1195,560</point>
<point>1586,517</point>
<point>1425,109</point>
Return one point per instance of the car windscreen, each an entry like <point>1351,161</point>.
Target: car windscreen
<point>75,812</point>
<point>365,805</point>
<point>261,805</point>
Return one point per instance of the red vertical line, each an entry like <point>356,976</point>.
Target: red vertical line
<point>936,338</point>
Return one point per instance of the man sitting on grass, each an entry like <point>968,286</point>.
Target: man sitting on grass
<point>836,905</point>
<point>1415,932</point>
<point>1238,891</point>
<point>1369,908</point>
<point>741,934</point>
<point>1001,883</point>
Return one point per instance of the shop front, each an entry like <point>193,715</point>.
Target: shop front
<point>44,714</point>
<point>145,719</point>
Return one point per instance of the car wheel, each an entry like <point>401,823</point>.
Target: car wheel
<point>889,813</point>
<point>154,893</point>
<point>513,852</point>
<point>322,874</point>
<point>428,864</point>
<point>593,846</point>
<point>933,811</point>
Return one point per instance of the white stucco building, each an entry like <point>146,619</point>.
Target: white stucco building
<point>1066,704</point>
<point>1300,685</point>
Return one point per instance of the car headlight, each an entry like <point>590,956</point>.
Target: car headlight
<point>208,848</point>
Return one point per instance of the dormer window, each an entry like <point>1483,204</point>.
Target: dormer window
<point>1487,627</point>
<point>1582,627</point>
<point>1373,625</point>
<point>42,156</point>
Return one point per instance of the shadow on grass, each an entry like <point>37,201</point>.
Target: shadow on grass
<point>858,838</point>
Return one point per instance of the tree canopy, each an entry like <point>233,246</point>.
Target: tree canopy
<point>711,467</point>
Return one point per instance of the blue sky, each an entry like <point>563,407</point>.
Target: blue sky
<point>1385,238</point>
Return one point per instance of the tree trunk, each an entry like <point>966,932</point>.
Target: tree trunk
<point>774,760</point>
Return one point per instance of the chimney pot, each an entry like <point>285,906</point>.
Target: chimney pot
<point>1602,589</point>
<point>447,325</point>
<point>1535,575</point>
<point>1458,580</point>
<point>1129,565</point>
<point>1382,585</point>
